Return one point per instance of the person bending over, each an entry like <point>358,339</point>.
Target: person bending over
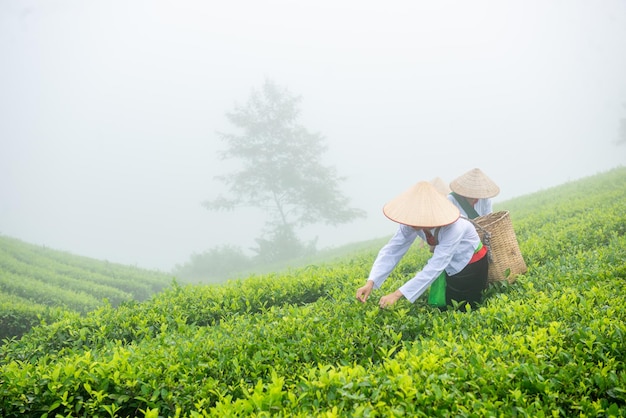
<point>458,260</point>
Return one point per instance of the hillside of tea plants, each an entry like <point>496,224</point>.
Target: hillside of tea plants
<point>39,283</point>
<point>298,344</point>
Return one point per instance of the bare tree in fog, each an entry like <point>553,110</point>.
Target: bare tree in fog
<point>281,173</point>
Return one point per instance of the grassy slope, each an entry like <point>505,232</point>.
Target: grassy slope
<point>297,343</point>
<point>37,282</point>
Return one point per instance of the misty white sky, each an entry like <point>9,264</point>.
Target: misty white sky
<point>109,109</point>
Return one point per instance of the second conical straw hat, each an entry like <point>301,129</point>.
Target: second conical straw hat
<point>421,206</point>
<point>475,184</point>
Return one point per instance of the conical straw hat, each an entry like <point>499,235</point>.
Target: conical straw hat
<point>440,185</point>
<point>421,206</point>
<point>474,184</point>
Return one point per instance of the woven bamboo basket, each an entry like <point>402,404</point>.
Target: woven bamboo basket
<point>505,259</point>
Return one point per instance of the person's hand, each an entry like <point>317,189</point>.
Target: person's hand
<point>389,299</point>
<point>363,292</point>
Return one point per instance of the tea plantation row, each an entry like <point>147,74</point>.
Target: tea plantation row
<point>40,283</point>
<point>298,344</point>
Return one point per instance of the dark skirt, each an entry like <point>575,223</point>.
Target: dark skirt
<point>467,286</point>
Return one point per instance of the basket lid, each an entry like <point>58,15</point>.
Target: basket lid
<point>421,206</point>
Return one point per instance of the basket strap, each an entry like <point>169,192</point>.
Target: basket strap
<point>469,209</point>
<point>486,237</point>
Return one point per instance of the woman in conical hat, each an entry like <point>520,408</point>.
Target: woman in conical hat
<point>458,261</point>
<point>472,193</point>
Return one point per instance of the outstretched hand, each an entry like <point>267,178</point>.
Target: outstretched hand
<point>389,299</point>
<point>363,292</point>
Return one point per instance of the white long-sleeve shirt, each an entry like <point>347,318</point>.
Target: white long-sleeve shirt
<point>457,243</point>
<point>483,206</point>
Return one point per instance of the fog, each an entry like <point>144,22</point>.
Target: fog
<point>109,110</point>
